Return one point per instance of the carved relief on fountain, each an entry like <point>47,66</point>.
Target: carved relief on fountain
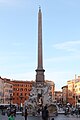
<point>39,95</point>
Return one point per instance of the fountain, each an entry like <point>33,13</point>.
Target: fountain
<point>38,98</point>
<point>40,93</point>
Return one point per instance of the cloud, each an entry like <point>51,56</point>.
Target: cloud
<point>72,46</point>
<point>71,50</point>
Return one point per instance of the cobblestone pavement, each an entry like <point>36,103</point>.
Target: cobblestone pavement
<point>59,117</point>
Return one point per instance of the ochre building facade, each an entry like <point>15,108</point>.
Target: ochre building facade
<point>21,91</point>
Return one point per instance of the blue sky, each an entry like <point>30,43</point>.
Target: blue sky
<point>19,36</point>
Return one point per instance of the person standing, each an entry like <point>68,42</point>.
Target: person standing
<point>45,113</point>
<point>26,113</point>
<point>15,111</point>
<point>11,117</point>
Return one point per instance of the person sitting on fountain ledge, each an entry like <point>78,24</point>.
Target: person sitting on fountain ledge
<point>45,113</point>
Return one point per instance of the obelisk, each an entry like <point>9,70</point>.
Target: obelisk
<point>40,71</point>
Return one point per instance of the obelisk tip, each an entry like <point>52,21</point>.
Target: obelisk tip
<point>39,7</point>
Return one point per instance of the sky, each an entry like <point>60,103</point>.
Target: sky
<point>60,35</point>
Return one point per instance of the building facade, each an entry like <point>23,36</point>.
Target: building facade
<point>52,89</point>
<point>58,97</point>
<point>74,90</point>
<point>64,95</point>
<point>77,90</point>
<point>1,90</point>
<point>71,92</point>
<point>6,90</point>
<point>15,91</point>
<point>21,91</point>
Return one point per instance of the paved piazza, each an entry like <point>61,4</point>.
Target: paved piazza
<point>59,117</point>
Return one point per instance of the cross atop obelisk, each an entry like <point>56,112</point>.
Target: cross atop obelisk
<point>40,71</point>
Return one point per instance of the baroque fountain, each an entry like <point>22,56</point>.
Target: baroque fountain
<point>40,94</point>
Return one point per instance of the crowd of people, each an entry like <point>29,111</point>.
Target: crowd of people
<point>72,110</point>
<point>44,113</point>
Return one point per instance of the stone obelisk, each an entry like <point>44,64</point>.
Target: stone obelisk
<point>40,71</point>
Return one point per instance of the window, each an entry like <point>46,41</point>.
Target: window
<point>21,89</point>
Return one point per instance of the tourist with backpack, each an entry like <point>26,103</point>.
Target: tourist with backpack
<point>45,113</point>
